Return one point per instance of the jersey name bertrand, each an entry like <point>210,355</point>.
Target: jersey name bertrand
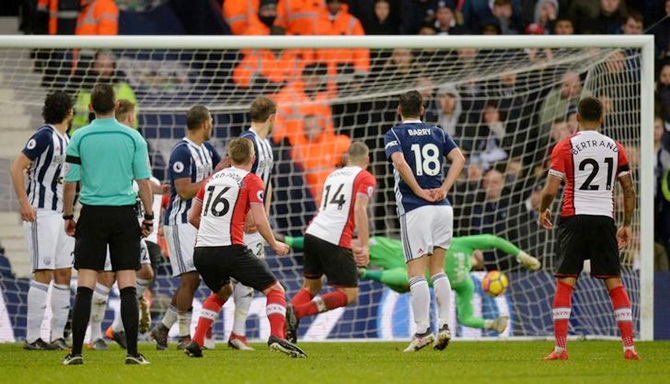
<point>611,145</point>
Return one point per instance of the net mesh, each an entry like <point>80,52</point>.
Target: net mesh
<point>505,108</point>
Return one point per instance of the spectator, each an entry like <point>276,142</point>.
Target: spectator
<point>308,95</point>
<point>426,88</point>
<point>319,153</point>
<point>662,34</point>
<point>412,14</point>
<point>662,183</point>
<point>250,17</point>
<point>382,24</point>
<point>98,17</point>
<point>103,70</point>
<point>401,66</point>
<point>488,144</point>
<point>605,21</point>
<point>60,16</point>
<point>428,29</point>
<point>663,89</point>
<point>299,17</point>
<point>268,70</point>
<point>504,13</point>
<point>445,18</point>
<point>450,110</point>
<point>337,21</point>
<point>559,99</point>
<point>546,12</point>
<point>634,24</point>
<point>563,26</point>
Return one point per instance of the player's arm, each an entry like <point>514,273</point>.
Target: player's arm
<point>20,164</point>
<point>186,189</point>
<point>257,208</point>
<point>456,164</point>
<point>268,198</point>
<point>554,178</point>
<point>146,194</point>
<point>483,242</point>
<point>362,226</point>
<point>624,233</point>
<point>195,212</point>
<point>405,172</point>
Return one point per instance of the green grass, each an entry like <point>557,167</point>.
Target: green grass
<point>462,362</point>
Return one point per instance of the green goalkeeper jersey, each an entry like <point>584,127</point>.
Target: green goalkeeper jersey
<point>388,253</point>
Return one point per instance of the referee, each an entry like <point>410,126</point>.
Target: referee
<point>105,157</point>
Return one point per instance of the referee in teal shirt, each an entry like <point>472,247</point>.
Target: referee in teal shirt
<point>105,157</point>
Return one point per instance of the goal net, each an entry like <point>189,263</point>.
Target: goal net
<point>505,101</point>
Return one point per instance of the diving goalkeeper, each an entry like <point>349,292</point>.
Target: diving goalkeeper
<point>388,254</point>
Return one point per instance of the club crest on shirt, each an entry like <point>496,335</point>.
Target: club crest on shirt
<point>178,167</point>
<point>259,194</point>
<point>31,144</point>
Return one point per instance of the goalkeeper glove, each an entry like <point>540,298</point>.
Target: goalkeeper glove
<point>529,262</point>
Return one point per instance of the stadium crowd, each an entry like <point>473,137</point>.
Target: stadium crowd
<point>490,119</point>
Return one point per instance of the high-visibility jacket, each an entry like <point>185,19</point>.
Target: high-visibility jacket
<point>62,15</point>
<point>99,17</point>
<point>301,17</point>
<point>319,158</point>
<point>83,99</point>
<point>344,24</point>
<point>238,14</point>
<point>277,68</point>
<point>293,104</point>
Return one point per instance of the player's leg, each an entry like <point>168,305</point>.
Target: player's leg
<point>605,264</point>
<point>464,294</point>
<point>89,258</point>
<point>250,271</point>
<point>60,295</point>
<point>40,240</point>
<point>99,306</point>
<point>416,240</point>
<point>573,234</point>
<point>211,265</point>
<point>442,230</point>
<point>181,241</point>
<point>125,253</point>
<point>243,296</point>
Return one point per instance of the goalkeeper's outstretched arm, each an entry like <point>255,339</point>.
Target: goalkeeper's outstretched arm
<point>495,242</point>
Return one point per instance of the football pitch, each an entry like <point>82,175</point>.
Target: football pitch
<point>461,362</point>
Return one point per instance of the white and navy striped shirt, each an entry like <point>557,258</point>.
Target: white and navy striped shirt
<point>46,149</point>
<point>191,160</point>
<point>264,158</point>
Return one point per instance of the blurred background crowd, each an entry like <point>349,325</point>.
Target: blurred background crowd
<point>507,125</point>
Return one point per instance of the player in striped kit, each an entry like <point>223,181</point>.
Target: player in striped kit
<point>41,209</point>
<point>346,194</point>
<point>192,160</point>
<point>220,213</point>
<point>262,113</point>
<point>590,163</point>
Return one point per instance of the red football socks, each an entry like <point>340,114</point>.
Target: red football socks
<point>561,313</point>
<point>210,311</point>
<point>623,314</point>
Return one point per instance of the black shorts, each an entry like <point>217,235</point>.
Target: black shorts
<point>217,265</point>
<point>337,263</point>
<point>100,226</point>
<point>585,237</point>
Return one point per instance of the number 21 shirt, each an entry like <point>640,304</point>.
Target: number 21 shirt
<point>226,199</point>
<point>590,163</point>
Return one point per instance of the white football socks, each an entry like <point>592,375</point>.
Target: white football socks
<point>420,299</point>
<point>242,296</point>
<point>37,304</point>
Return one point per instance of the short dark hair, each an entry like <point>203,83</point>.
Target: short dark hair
<point>240,150</point>
<point>196,116</point>
<point>635,15</point>
<point>124,108</point>
<point>410,104</point>
<point>261,109</point>
<point>103,99</point>
<point>56,107</point>
<point>590,109</point>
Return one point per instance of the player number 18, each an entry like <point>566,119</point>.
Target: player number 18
<point>426,159</point>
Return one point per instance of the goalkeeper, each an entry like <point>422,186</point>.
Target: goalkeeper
<point>388,254</point>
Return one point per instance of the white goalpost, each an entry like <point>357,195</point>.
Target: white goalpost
<point>505,99</point>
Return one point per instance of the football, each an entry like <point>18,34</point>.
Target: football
<point>495,283</point>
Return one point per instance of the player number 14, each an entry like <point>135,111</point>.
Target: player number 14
<point>426,159</point>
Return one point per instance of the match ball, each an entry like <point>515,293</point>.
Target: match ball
<point>495,283</point>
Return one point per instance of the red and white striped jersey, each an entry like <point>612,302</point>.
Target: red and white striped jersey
<point>590,163</point>
<point>226,198</point>
<point>335,221</point>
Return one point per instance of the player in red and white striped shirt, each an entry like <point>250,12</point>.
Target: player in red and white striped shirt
<point>346,193</point>
<point>590,163</point>
<point>219,212</point>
